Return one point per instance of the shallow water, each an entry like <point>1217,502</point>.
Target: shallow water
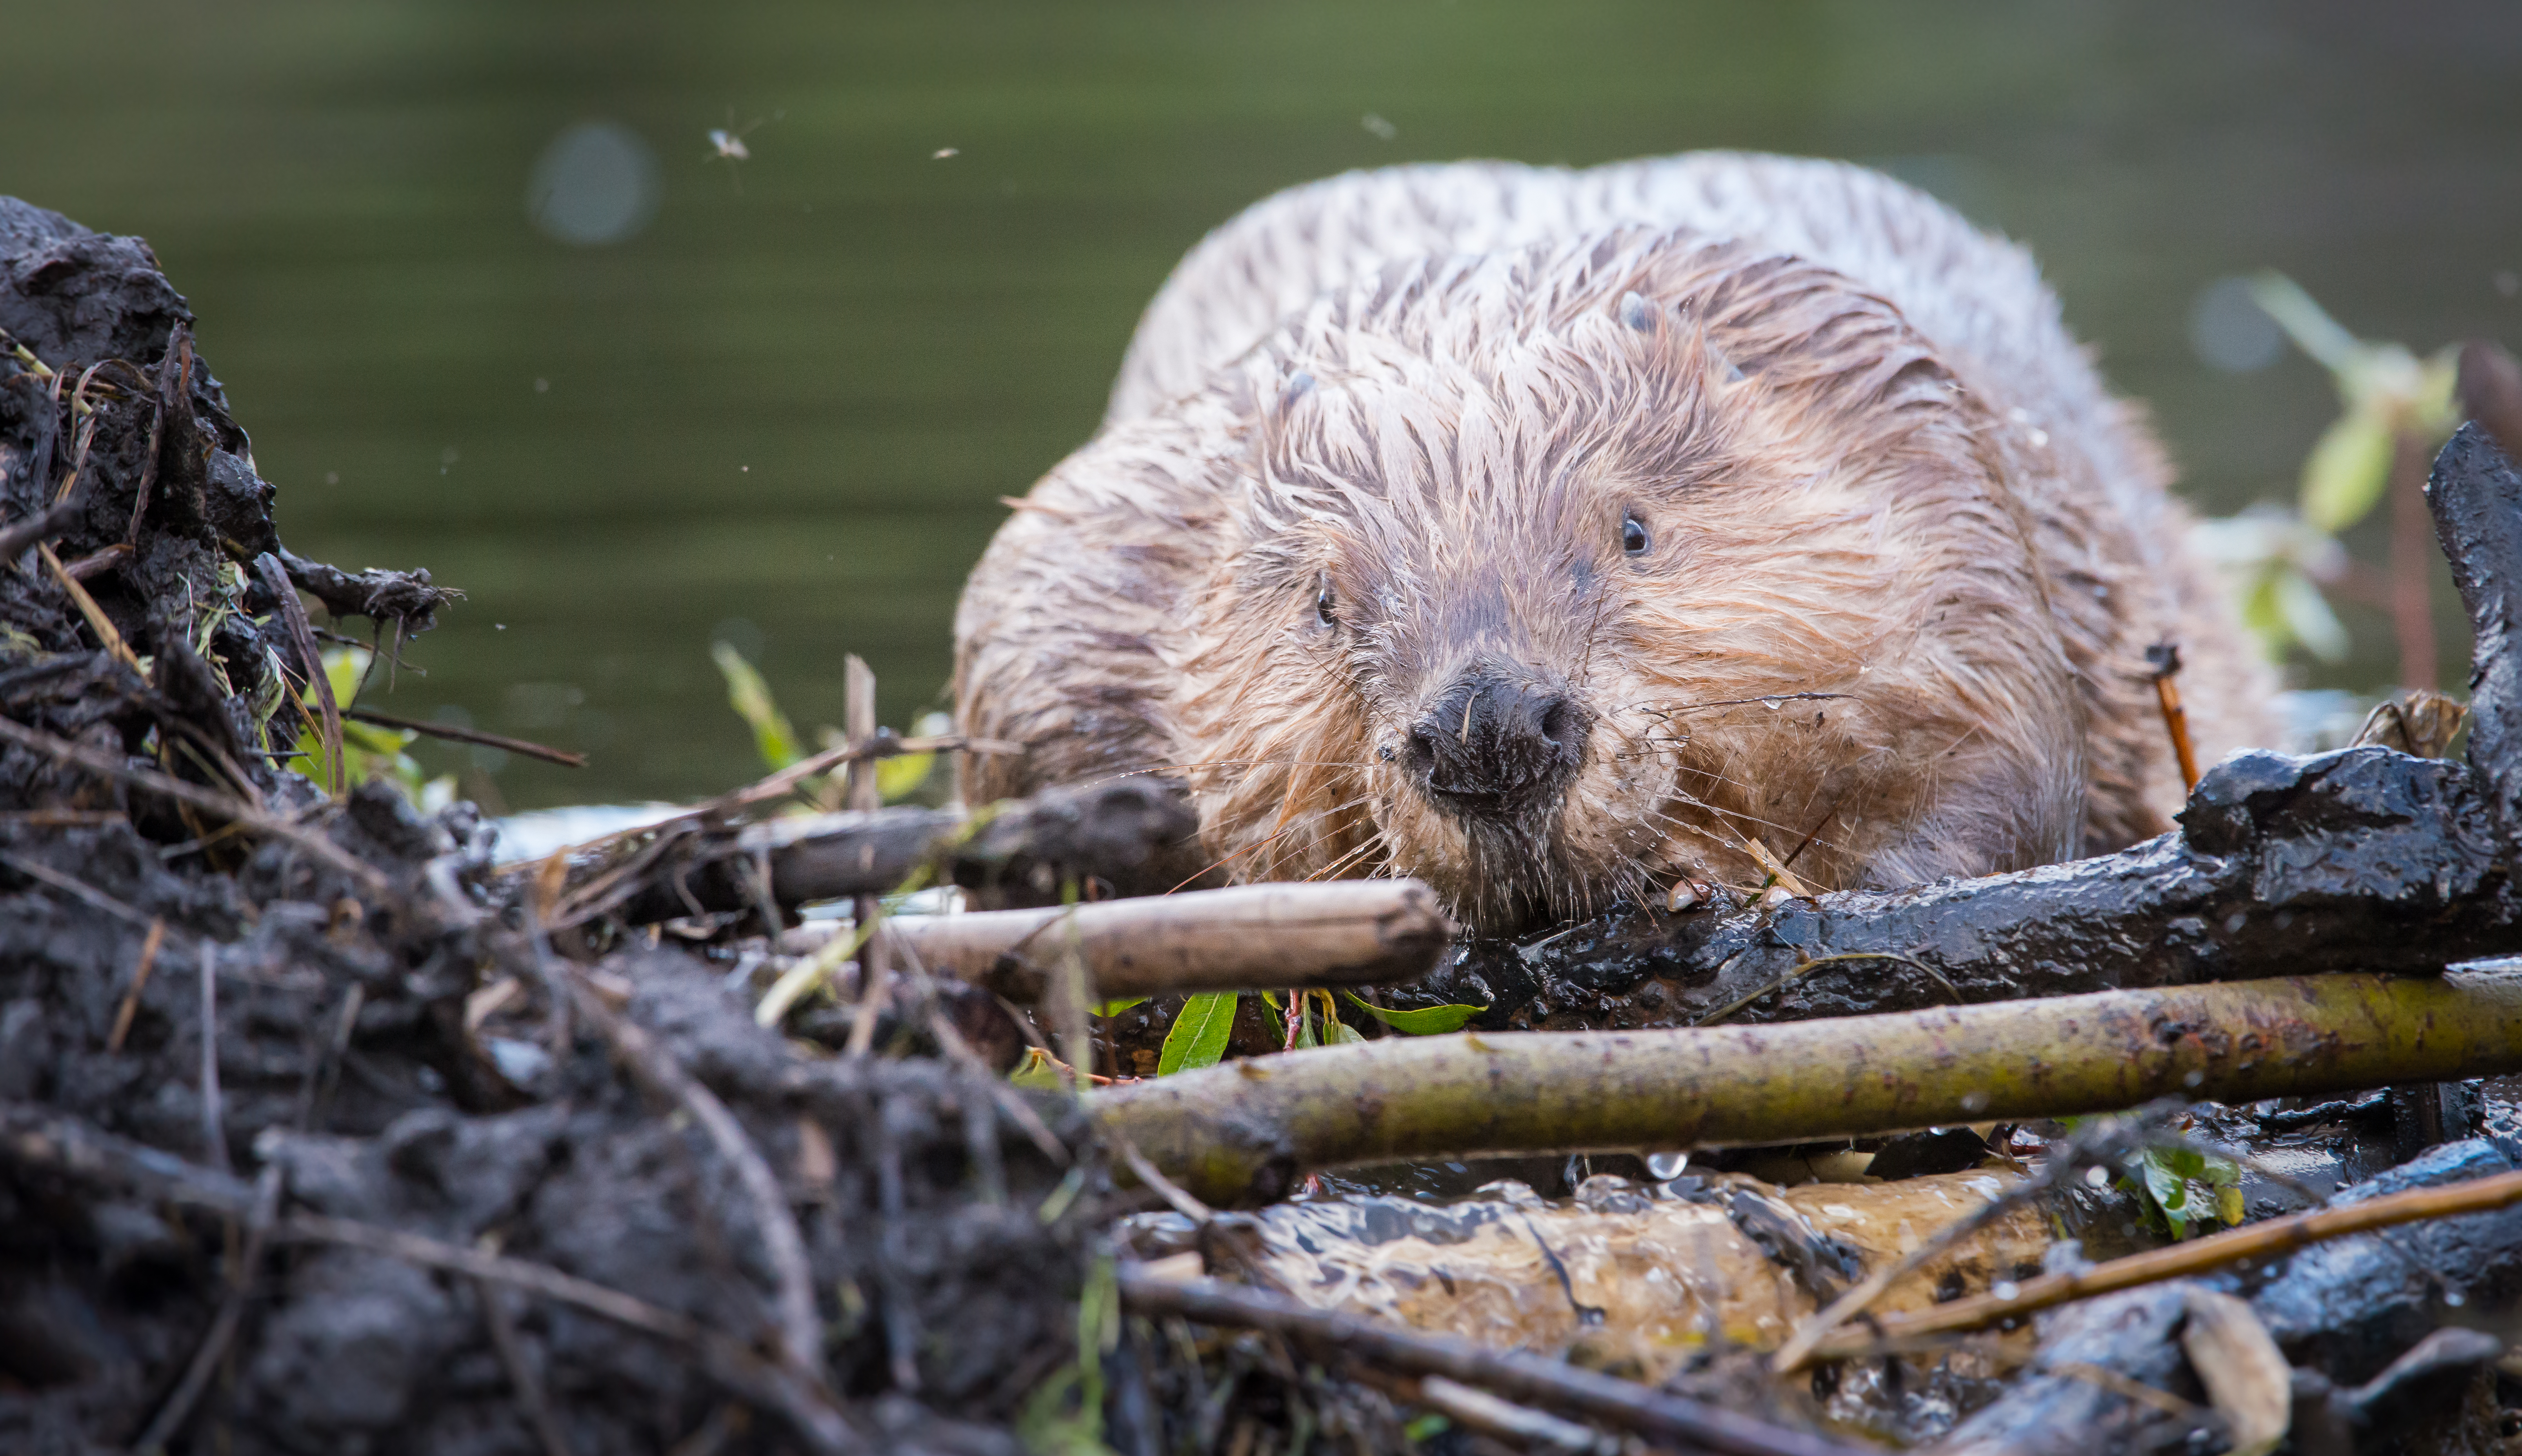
<point>782,409</point>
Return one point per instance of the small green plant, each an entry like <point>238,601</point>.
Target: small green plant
<point>897,776</point>
<point>2285,563</point>
<point>1201,1030</point>
<point>367,750</point>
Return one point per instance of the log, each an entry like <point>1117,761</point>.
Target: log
<point>2365,859</point>
<point>2476,497</point>
<point>1246,1132</point>
<point>1112,831</point>
<point>1359,932</point>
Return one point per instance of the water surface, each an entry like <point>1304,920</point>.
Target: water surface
<point>784,408</point>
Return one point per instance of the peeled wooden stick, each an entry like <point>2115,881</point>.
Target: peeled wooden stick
<point>1338,933</point>
<point>2273,1236</point>
<point>1247,1131</point>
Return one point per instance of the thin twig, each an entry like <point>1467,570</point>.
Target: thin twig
<point>292,612</point>
<point>368,875</point>
<point>97,622</point>
<point>68,885</point>
<point>2271,1237</point>
<point>800,1329</point>
<point>130,1007</point>
<point>267,1190</point>
<point>454,735</point>
<point>521,1376</point>
<point>1640,1408</point>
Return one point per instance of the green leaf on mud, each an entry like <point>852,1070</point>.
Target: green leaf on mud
<point>1434,1021</point>
<point>1116,1006</point>
<point>1199,1033</point>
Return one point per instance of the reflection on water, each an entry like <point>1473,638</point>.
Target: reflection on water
<point>493,299</point>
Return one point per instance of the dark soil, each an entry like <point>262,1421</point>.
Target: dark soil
<point>945,1247</point>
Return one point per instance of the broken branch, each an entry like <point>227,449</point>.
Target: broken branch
<point>1627,1403</point>
<point>1337,933</point>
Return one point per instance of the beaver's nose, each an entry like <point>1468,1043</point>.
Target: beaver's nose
<point>1492,746</point>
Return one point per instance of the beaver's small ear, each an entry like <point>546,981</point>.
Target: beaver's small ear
<point>1634,312</point>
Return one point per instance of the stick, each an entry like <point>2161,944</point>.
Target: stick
<point>1247,1131</point>
<point>2165,658</point>
<point>97,622</point>
<point>1626,1403</point>
<point>800,1329</point>
<point>1113,830</point>
<point>521,1376</point>
<point>47,522</point>
<point>454,734</point>
<point>1357,932</point>
<point>267,1190</point>
<point>130,1007</point>
<point>294,613</point>
<point>876,966</point>
<point>367,875</point>
<point>2275,1236</point>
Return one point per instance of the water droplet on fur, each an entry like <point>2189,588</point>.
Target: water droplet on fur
<point>1664,1166</point>
<point>2006,1288</point>
<point>1773,704</point>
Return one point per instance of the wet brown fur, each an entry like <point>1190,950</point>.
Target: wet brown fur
<point>1881,618</point>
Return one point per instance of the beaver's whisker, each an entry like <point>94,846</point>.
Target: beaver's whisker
<point>1227,762</point>
<point>1266,841</point>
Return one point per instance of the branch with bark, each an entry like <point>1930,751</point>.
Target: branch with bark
<point>1247,1131</point>
<point>1358,932</point>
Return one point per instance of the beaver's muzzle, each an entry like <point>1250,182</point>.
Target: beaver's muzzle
<point>1492,746</point>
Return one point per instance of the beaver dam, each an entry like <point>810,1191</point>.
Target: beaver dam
<point>322,1131</point>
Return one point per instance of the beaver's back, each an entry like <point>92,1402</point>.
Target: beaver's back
<point>1979,297</point>
<point>2121,579</point>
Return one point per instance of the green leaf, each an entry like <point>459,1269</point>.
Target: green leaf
<point>2347,472</point>
<point>2313,330</point>
<point>902,773</point>
<point>2308,618</point>
<point>1434,1021</point>
<point>1199,1032</point>
<point>1342,1033</point>
<point>1116,1006</point>
<point>751,699</point>
<point>1039,1071</point>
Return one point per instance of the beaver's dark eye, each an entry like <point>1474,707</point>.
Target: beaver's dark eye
<point>1322,606</point>
<point>1633,535</point>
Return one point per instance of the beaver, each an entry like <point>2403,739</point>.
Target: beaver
<point>1564,537</point>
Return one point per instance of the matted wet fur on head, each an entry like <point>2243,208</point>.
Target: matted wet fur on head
<point>1449,522</point>
<point>1725,515</point>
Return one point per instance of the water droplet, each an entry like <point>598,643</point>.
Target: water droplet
<point>2006,1288</point>
<point>1973,1101</point>
<point>1773,704</point>
<point>2454,1298</point>
<point>2194,1080</point>
<point>2098,1176</point>
<point>1664,1166</point>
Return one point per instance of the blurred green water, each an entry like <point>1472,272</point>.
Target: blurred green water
<point>786,409</point>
